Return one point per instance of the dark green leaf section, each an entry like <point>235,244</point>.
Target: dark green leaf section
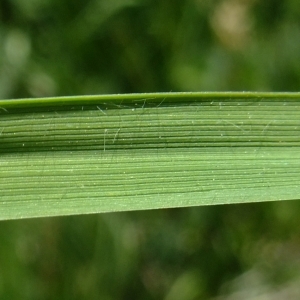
<point>94,154</point>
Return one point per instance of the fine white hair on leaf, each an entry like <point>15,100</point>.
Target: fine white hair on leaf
<point>161,102</point>
<point>104,142</point>
<point>116,134</point>
<point>266,127</point>
<point>101,110</point>
<point>145,100</point>
<point>235,125</point>
<point>4,109</point>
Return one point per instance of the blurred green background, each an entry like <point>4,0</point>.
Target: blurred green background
<point>55,48</point>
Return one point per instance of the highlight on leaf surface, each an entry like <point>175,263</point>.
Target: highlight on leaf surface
<point>90,154</point>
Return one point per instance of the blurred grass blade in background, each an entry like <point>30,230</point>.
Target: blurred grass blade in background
<point>91,154</point>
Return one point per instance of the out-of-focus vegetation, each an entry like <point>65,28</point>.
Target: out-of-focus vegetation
<point>53,48</point>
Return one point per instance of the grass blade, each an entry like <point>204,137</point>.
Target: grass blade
<point>90,154</point>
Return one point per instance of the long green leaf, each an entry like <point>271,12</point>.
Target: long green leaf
<point>90,154</point>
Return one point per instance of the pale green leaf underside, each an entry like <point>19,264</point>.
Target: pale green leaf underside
<point>77,155</point>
